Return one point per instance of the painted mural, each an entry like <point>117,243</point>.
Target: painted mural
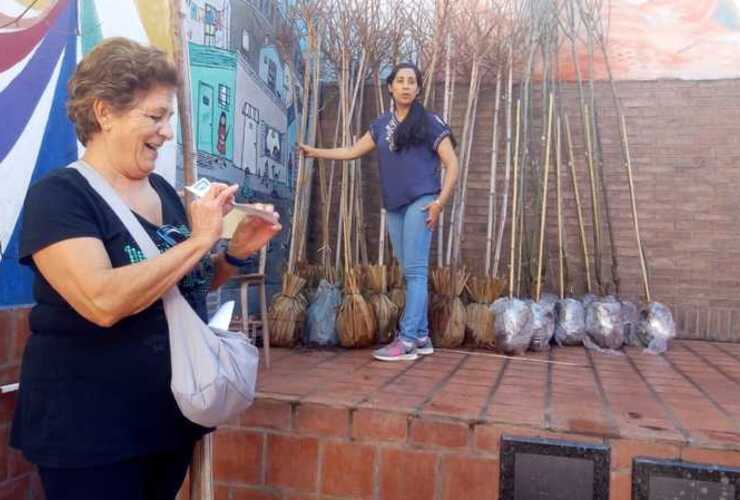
<point>243,113</point>
<point>653,39</point>
<point>244,83</point>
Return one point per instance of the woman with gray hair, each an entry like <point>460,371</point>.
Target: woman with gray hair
<point>95,411</point>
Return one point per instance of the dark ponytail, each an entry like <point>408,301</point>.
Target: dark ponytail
<point>413,129</point>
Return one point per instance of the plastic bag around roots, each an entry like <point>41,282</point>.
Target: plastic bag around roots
<point>548,301</point>
<point>513,327</point>
<point>322,315</point>
<point>543,325</point>
<point>604,328</point>
<point>630,319</point>
<point>656,327</point>
<point>570,322</point>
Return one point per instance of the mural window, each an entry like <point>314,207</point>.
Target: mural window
<point>251,112</point>
<point>271,75</point>
<point>272,143</point>
<point>224,96</point>
<point>209,25</point>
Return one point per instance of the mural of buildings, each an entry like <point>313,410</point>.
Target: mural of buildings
<point>244,116</point>
<point>213,77</point>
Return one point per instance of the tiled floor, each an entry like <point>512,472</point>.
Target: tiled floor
<point>689,396</point>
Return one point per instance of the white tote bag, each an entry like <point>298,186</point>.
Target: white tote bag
<point>214,372</point>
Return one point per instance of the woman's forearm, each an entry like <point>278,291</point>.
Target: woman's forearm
<point>80,270</point>
<point>127,290</point>
<point>332,153</point>
<point>450,178</point>
<point>360,148</point>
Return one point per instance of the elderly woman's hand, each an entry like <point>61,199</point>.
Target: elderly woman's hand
<point>252,234</point>
<point>207,213</point>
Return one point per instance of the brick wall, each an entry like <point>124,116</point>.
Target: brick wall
<point>18,481</point>
<point>684,138</point>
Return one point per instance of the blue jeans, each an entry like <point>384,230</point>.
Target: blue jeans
<point>411,240</point>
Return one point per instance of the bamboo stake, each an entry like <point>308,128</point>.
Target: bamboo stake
<point>381,110</point>
<point>607,209</point>
<point>520,243</point>
<point>594,202</point>
<point>312,138</point>
<point>635,220</point>
<point>514,200</point>
<point>590,21</point>
<point>201,466</point>
<point>448,101</point>
<point>507,171</point>
<point>589,152</point>
<point>475,84</point>
<point>492,185</point>
<point>559,195</point>
<point>455,216</point>
<point>513,358</point>
<point>180,58</point>
<point>579,211</point>
<point>628,165</point>
<point>298,191</point>
<point>343,91</point>
<point>544,200</point>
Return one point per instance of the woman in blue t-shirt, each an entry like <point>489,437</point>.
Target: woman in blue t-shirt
<point>410,142</point>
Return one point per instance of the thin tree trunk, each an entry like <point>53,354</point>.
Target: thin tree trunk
<point>559,196</point>
<point>514,200</point>
<point>579,211</point>
<point>507,171</point>
<point>544,200</point>
<point>492,185</point>
<point>447,107</point>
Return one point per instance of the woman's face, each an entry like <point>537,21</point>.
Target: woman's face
<point>135,136</point>
<point>404,88</point>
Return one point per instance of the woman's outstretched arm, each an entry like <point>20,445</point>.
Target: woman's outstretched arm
<point>360,148</point>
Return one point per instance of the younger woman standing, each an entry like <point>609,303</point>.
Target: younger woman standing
<point>410,143</point>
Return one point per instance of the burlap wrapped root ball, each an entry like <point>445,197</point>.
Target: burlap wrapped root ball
<point>386,312</point>
<point>447,313</point>
<point>356,323</point>
<point>287,313</point>
<point>479,319</point>
<point>396,292</point>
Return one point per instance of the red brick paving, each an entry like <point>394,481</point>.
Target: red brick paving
<point>338,423</point>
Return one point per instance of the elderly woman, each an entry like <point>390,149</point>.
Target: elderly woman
<point>95,410</point>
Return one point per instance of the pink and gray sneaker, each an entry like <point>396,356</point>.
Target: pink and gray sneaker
<point>398,350</point>
<point>424,346</point>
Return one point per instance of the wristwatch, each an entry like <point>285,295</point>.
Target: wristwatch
<point>235,261</point>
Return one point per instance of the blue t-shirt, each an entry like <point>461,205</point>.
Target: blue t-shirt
<point>412,172</point>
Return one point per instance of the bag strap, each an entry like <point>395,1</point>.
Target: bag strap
<point>127,217</point>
